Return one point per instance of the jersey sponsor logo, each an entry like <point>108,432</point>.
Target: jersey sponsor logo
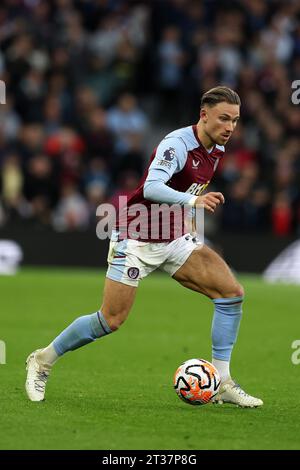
<point>195,189</point>
<point>133,273</point>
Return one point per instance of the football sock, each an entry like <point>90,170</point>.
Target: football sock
<point>82,331</point>
<point>225,326</point>
<point>223,368</point>
<point>47,356</point>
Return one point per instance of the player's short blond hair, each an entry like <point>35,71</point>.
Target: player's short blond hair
<point>220,94</point>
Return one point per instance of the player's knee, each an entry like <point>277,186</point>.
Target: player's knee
<point>236,290</point>
<point>240,291</point>
<point>115,321</point>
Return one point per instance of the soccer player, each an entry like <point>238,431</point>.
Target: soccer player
<point>180,168</point>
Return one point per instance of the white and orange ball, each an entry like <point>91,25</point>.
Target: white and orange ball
<point>196,381</point>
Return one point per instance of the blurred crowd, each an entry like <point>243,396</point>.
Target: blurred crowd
<point>88,81</point>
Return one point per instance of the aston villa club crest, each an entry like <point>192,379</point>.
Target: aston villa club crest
<point>133,273</point>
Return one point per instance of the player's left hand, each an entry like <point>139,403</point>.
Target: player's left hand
<point>210,201</point>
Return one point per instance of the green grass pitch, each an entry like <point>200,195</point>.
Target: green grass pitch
<point>117,392</point>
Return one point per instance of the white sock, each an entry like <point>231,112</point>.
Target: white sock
<point>47,355</point>
<point>223,369</point>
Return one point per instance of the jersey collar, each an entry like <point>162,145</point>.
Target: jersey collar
<point>194,126</point>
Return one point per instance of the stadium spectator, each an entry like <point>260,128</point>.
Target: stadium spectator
<point>12,183</point>
<point>72,211</point>
<point>128,123</point>
<point>40,188</point>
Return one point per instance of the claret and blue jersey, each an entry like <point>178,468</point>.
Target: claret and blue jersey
<point>180,169</point>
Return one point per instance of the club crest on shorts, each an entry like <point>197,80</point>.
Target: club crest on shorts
<point>133,273</point>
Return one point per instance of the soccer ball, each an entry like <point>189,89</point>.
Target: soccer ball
<point>196,381</point>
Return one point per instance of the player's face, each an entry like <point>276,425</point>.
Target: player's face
<point>220,121</point>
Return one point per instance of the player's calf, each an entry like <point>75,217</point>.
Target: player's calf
<point>117,302</point>
<point>225,327</point>
<point>82,331</point>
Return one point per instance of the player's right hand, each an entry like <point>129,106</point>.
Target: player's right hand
<point>210,201</point>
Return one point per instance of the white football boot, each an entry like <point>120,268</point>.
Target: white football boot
<point>231,392</point>
<point>37,376</point>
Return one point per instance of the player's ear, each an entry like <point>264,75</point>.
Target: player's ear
<point>203,115</point>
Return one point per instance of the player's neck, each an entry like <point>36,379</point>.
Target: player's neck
<point>204,138</point>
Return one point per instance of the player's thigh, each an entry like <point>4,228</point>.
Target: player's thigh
<point>118,299</point>
<point>206,272</point>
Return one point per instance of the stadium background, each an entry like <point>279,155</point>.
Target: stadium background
<point>91,87</point>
